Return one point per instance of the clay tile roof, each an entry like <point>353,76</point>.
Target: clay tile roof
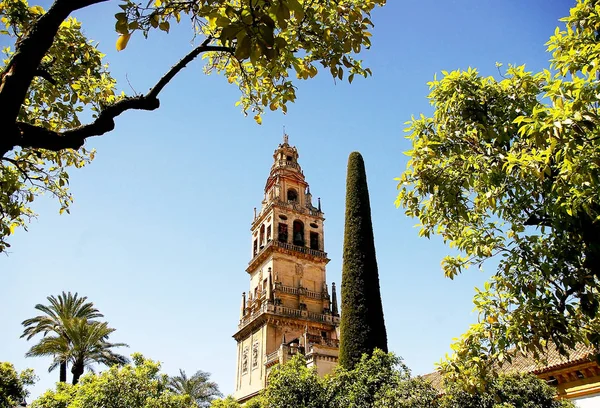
<point>551,360</point>
<point>435,379</point>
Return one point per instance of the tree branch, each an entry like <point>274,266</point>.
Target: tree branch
<point>38,137</point>
<point>79,4</point>
<point>42,73</point>
<point>23,65</point>
<point>16,77</point>
<point>538,220</point>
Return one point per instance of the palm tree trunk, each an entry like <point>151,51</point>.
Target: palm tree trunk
<point>77,371</point>
<point>63,371</point>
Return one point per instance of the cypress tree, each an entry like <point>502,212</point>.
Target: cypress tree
<point>362,325</point>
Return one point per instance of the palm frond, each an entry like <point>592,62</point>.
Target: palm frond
<point>63,318</point>
<point>198,387</point>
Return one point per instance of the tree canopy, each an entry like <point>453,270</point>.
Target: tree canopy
<point>13,385</point>
<point>509,168</point>
<point>382,380</point>
<point>198,387</point>
<point>81,344</point>
<point>506,391</point>
<point>137,385</point>
<point>228,402</point>
<point>293,384</point>
<point>56,315</point>
<point>52,74</point>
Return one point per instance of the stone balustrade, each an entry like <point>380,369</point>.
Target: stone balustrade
<point>299,291</point>
<point>290,247</point>
<point>288,312</point>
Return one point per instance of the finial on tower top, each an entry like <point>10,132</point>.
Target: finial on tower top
<point>285,136</point>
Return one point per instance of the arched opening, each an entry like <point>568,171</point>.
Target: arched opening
<point>314,240</point>
<point>292,195</point>
<point>262,236</point>
<point>282,235</point>
<point>298,233</point>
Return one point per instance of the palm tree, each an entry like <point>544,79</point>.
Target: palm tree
<point>81,344</point>
<point>65,306</point>
<point>198,387</point>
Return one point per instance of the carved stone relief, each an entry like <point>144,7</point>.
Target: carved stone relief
<point>255,354</point>
<point>245,360</point>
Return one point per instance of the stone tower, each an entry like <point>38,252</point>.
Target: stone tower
<point>288,308</point>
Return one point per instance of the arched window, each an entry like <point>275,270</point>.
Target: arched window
<point>283,232</point>
<point>314,240</point>
<point>298,236</point>
<point>292,195</point>
<point>262,235</point>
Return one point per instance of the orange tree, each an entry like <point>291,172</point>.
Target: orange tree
<point>52,73</point>
<point>510,168</point>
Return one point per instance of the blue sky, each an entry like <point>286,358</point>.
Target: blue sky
<point>158,237</point>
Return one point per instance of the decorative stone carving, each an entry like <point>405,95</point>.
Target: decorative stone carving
<point>245,360</point>
<point>255,354</point>
<point>299,270</point>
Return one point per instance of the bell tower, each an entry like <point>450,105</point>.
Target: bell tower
<point>288,308</point>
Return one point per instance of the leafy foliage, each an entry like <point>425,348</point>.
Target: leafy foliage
<point>53,74</point>
<point>61,309</point>
<point>198,387</point>
<point>507,391</point>
<point>378,380</point>
<point>78,79</point>
<point>294,385</point>
<point>381,380</point>
<point>137,385</point>
<point>362,325</point>
<point>228,402</point>
<point>267,40</point>
<point>510,168</point>
<point>13,384</point>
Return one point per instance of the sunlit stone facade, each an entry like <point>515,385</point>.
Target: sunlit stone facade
<point>289,308</point>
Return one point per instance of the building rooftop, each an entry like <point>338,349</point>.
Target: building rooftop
<point>552,360</point>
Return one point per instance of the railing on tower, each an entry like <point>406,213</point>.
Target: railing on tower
<point>296,291</point>
<point>274,356</point>
<point>314,339</point>
<point>291,247</point>
<point>304,250</point>
<point>298,208</point>
<point>286,163</point>
<point>254,313</point>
